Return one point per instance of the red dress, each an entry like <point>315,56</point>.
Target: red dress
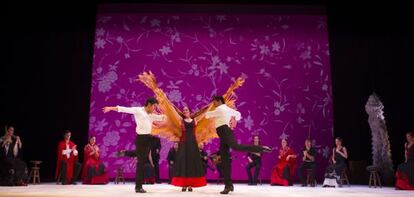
<point>93,161</point>
<point>69,161</point>
<point>405,171</point>
<point>283,171</point>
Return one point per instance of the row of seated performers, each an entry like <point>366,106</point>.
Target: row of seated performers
<point>14,170</point>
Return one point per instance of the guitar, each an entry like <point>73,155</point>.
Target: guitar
<point>216,159</point>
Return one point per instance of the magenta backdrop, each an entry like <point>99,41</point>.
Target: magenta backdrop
<point>285,59</point>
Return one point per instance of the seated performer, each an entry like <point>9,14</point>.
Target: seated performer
<point>171,159</point>
<point>309,154</point>
<point>405,171</point>
<point>255,161</point>
<point>67,167</point>
<point>204,158</point>
<point>155,146</point>
<point>148,165</point>
<point>13,170</point>
<point>93,169</point>
<point>334,170</point>
<point>283,171</point>
<point>216,160</point>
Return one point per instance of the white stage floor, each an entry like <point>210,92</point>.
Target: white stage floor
<point>165,190</point>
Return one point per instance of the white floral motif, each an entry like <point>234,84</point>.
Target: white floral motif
<point>119,39</point>
<point>106,81</point>
<point>276,47</point>
<point>278,108</point>
<point>194,70</point>
<point>111,138</point>
<point>165,50</point>
<point>100,32</point>
<point>222,68</point>
<point>264,49</point>
<point>248,122</point>
<point>100,43</point>
<point>100,125</point>
<point>283,136</point>
<point>306,54</point>
<point>176,37</point>
<point>174,95</point>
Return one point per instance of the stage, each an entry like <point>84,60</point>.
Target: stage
<point>161,190</point>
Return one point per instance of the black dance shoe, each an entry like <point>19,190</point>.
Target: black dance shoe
<point>190,189</point>
<point>120,153</point>
<point>231,188</point>
<point>184,189</point>
<point>225,191</point>
<point>140,191</point>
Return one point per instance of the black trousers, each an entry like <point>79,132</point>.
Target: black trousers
<point>303,167</point>
<point>142,143</point>
<point>256,166</point>
<point>228,141</point>
<point>157,171</point>
<point>219,168</point>
<point>63,168</point>
<point>170,172</point>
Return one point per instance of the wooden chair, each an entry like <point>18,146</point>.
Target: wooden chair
<point>374,177</point>
<point>35,172</point>
<point>344,177</point>
<point>119,175</point>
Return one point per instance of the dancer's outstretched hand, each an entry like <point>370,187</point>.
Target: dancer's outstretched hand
<point>108,109</point>
<point>267,149</point>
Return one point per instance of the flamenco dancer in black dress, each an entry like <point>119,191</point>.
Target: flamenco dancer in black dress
<point>188,168</point>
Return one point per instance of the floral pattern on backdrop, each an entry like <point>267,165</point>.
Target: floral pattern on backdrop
<point>284,58</point>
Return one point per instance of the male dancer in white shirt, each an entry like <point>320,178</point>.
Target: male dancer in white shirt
<point>144,117</point>
<point>225,120</point>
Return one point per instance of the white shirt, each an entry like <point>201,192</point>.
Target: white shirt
<point>67,151</point>
<point>142,118</point>
<point>222,115</point>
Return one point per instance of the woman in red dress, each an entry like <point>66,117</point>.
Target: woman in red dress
<point>93,168</point>
<point>283,171</point>
<point>405,171</point>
